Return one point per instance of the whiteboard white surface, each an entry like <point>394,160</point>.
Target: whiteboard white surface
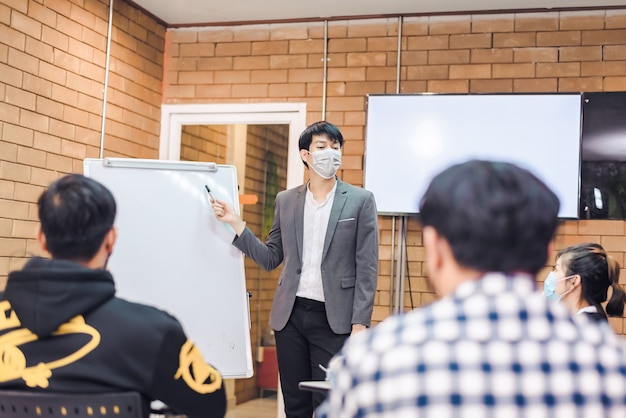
<point>172,253</point>
<point>411,138</point>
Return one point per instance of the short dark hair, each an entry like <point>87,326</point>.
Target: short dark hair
<point>76,213</point>
<point>321,128</point>
<point>496,216</point>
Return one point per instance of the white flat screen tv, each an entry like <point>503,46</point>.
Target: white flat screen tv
<point>411,138</point>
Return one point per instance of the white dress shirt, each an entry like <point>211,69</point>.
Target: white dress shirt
<point>316,216</point>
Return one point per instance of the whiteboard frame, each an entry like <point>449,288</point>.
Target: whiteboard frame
<point>400,117</point>
<point>174,117</point>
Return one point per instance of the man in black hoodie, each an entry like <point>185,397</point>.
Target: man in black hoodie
<point>64,330</point>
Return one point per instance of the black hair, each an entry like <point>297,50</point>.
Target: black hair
<point>321,128</point>
<point>496,216</point>
<point>76,213</point>
<point>598,271</point>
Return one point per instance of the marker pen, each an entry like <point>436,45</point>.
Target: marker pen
<point>210,194</point>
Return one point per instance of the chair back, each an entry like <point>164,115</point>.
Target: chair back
<point>23,404</point>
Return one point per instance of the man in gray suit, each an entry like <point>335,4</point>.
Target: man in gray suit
<point>326,232</point>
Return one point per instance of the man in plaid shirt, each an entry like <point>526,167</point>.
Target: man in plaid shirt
<point>491,346</point>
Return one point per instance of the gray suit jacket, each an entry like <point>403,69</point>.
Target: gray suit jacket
<point>349,259</point>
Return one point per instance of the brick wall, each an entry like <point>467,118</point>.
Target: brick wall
<point>266,173</point>
<point>541,52</point>
<point>203,143</point>
<point>52,71</point>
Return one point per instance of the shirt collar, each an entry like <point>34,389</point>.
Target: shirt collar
<point>309,195</point>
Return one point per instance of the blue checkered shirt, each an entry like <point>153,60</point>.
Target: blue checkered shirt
<point>494,348</point>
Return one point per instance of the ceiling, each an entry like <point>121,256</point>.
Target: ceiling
<point>219,12</point>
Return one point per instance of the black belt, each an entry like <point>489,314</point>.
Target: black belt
<point>309,303</point>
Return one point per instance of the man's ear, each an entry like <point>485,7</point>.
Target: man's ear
<point>109,240</point>
<point>303,155</point>
<point>41,238</point>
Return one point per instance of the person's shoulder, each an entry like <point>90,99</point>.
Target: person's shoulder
<point>141,316</point>
<point>354,191</point>
<point>286,194</point>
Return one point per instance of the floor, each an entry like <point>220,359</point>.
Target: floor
<point>256,408</point>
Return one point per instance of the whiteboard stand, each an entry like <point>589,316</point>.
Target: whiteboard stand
<point>398,284</point>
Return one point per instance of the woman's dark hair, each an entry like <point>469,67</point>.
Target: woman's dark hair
<point>321,128</point>
<point>76,213</point>
<point>598,271</point>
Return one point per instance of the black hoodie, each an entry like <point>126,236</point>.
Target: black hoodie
<point>63,330</point>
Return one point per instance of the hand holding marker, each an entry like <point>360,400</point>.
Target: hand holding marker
<point>218,208</point>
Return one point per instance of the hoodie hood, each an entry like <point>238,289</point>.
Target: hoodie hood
<point>47,293</point>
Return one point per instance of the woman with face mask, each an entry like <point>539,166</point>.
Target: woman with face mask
<point>581,278</point>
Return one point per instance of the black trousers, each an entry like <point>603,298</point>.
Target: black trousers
<point>306,342</point>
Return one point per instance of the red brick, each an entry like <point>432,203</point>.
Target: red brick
<point>565,38</point>
<point>382,44</point>
<point>558,69</point>
<point>475,40</point>
<point>427,72</point>
<point>447,25</point>
<point>25,25</point>
<point>614,52</point>
<point>251,63</point>
<point>21,61</point>
<point>535,55</point>
<point>493,23</point>
<point>347,45</point>
<point>461,56</point>
<point>288,61</point>
<point>287,90</point>
<point>448,86</point>
<point>536,22</point>
<point>578,84</point>
<point>270,48</point>
<point>491,55</point>
<point>614,84</point>
<point>346,74</point>
<point>380,73</point>
<point>428,42</point>
<point>580,53</point>
<point>470,71</point>
<point>367,59</point>
<point>588,20</point>
<point>514,40</point>
<point>252,34</point>
<point>364,28</point>
<point>268,76</point>
<point>604,37</point>
<point>606,68</point>
<point>34,121</point>
<point>415,26</point>
<point>534,85</point>
<point>491,86</point>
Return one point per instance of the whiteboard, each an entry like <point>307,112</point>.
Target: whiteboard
<point>411,138</point>
<point>172,253</point>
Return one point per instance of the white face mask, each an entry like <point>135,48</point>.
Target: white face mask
<point>326,162</point>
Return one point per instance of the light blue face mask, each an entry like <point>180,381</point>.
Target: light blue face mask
<point>549,287</point>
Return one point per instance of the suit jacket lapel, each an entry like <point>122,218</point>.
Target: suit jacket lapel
<point>341,196</point>
<point>299,219</point>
